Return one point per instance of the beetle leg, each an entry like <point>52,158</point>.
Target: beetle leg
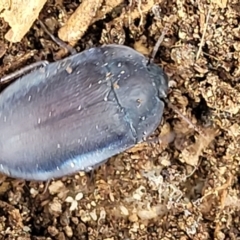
<point>165,139</point>
<point>58,41</point>
<point>46,187</point>
<point>10,77</point>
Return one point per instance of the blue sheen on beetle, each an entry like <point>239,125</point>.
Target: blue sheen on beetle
<point>75,113</point>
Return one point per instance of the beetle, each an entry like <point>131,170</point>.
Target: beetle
<point>74,114</point>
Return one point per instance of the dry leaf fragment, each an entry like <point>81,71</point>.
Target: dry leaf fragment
<point>20,15</point>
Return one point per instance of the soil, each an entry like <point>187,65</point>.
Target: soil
<point>184,189</point>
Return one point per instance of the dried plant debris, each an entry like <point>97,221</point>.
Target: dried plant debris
<point>91,11</point>
<point>191,154</point>
<point>220,95</point>
<point>177,185</point>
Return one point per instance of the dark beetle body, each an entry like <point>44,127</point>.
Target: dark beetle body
<point>75,113</point>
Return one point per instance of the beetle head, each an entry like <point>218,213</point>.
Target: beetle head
<point>160,79</point>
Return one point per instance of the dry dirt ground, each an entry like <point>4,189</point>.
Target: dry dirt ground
<point>187,189</point>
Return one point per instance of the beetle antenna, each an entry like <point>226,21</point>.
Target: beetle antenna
<point>58,41</point>
<point>157,45</point>
<point>196,128</point>
<point>12,76</point>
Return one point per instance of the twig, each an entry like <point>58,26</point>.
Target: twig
<point>140,12</point>
<point>204,33</point>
